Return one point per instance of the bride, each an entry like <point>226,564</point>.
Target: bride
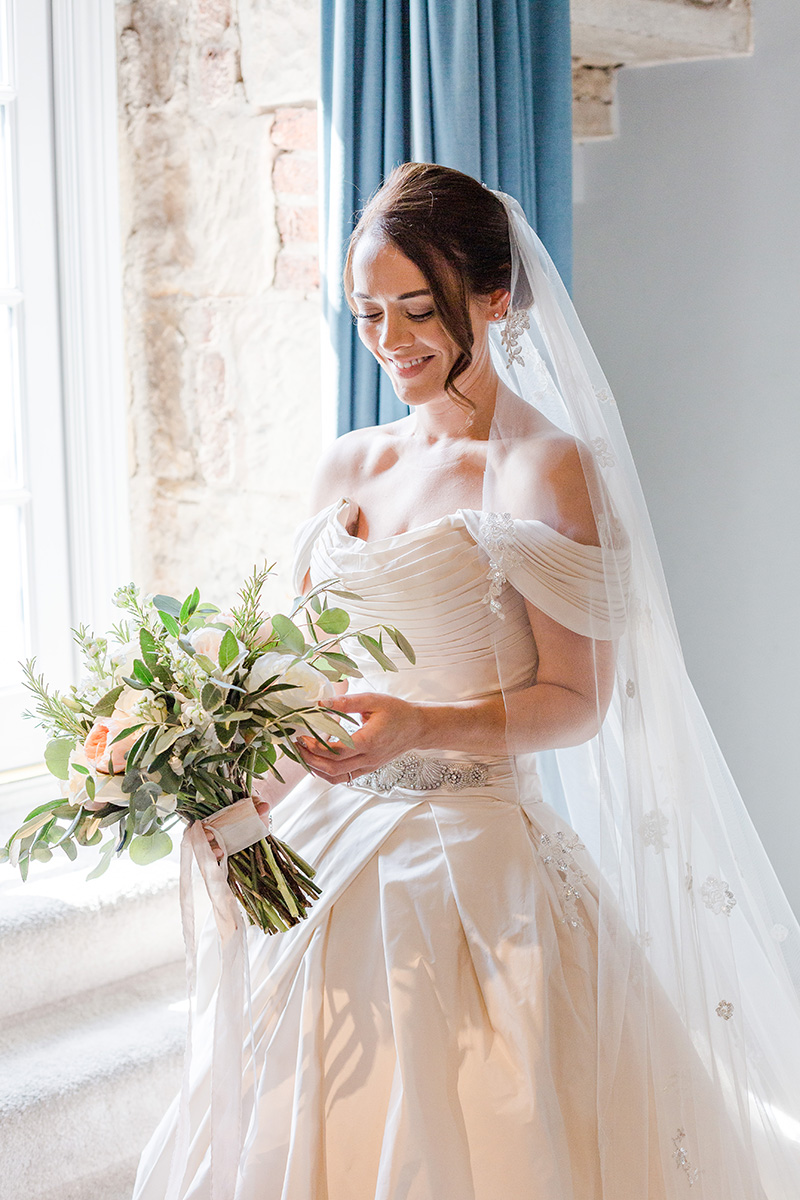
<point>550,958</point>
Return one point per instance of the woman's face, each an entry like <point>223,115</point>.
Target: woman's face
<point>397,321</point>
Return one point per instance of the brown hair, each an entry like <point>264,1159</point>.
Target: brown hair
<point>455,231</point>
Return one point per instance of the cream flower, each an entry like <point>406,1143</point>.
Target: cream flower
<point>206,641</point>
<point>304,679</point>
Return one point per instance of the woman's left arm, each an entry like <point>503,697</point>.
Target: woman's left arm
<point>564,707</point>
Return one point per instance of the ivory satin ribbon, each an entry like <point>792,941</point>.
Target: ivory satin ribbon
<point>235,828</point>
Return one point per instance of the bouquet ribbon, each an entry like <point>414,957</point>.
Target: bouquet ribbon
<point>234,828</point>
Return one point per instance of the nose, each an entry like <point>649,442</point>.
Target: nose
<point>396,332</point>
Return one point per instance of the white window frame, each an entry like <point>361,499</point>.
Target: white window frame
<point>90,364</point>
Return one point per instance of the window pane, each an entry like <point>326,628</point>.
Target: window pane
<point>8,271</point>
<point>10,456</point>
<point>15,642</point>
<point>6,74</point>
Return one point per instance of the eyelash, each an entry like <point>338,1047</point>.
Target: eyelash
<point>412,316</point>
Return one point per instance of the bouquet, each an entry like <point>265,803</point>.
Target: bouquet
<point>181,708</point>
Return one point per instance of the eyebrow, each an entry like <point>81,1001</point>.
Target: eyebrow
<point>405,295</point>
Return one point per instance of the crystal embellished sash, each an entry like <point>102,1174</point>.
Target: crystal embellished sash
<point>418,774</point>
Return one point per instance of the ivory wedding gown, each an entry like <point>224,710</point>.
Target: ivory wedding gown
<point>429,1033</point>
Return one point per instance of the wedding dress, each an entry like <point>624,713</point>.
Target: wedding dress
<point>570,975</point>
<point>430,1031</point>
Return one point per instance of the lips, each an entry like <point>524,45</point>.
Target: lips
<point>409,367</point>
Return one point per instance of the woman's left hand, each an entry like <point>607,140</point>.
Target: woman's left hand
<point>390,727</point>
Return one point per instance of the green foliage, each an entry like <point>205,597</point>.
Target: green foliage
<point>106,704</point>
<point>56,756</point>
<point>291,638</point>
<point>53,713</point>
<point>373,646</point>
<point>228,649</point>
<point>333,620</point>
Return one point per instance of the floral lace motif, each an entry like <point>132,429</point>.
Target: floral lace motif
<point>681,1156</point>
<point>725,1010</point>
<point>558,849</point>
<point>603,452</point>
<point>515,325</point>
<point>497,533</point>
<point>419,774</point>
<point>653,830</point>
<point>717,896</point>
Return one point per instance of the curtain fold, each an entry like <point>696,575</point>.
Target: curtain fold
<point>484,86</point>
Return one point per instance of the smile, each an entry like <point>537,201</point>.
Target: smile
<point>409,366</point>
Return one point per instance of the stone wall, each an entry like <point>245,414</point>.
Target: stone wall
<point>218,152</point>
<point>220,225</point>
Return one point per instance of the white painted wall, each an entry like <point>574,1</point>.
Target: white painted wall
<point>687,277</point>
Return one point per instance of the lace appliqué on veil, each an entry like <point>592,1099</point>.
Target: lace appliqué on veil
<point>558,849</point>
<point>497,533</point>
<point>717,896</point>
<point>681,1156</point>
<point>515,325</point>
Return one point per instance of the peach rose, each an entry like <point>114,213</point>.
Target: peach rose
<point>99,752</point>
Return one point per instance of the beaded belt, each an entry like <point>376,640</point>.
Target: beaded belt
<point>418,774</point>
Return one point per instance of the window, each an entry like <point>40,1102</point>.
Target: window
<point>63,485</point>
<point>35,591</point>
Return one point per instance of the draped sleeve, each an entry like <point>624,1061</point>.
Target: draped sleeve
<point>582,587</point>
<point>304,540</point>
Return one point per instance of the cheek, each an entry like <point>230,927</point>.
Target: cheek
<point>368,334</point>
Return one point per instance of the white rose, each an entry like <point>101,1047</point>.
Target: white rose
<point>311,682</point>
<point>207,641</point>
<point>304,679</point>
<point>265,667</point>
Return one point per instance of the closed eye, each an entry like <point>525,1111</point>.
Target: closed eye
<point>412,316</point>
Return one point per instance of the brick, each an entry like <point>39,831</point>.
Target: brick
<point>298,224</point>
<point>295,173</point>
<point>295,128</point>
<point>296,272</point>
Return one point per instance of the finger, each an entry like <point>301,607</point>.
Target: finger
<point>358,702</point>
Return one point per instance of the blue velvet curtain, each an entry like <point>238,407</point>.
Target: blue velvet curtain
<point>480,85</point>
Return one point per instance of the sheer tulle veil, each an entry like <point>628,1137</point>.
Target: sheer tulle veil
<point>693,924</point>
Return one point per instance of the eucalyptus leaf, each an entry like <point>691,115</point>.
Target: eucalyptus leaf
<point>402,643</point>
<point>106,704</point>
<point>56,756</point>
<point>167,604</point>
<point>322,724</point>
<point>105,859</point>
<point>341,663</point>
<point>290,636</point>
<point>333,620</point>
<point>373,647</point>
<point>149,848</point>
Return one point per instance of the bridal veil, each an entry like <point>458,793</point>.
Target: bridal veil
<point>692,921</point>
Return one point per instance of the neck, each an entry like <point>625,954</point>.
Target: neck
<point>442,419</point>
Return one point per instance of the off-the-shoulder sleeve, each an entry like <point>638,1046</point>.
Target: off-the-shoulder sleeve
<point>582,587</point>
<point>304,539</point>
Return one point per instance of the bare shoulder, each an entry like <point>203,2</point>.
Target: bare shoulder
<point>350,459</point>
<point>549,477</point>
